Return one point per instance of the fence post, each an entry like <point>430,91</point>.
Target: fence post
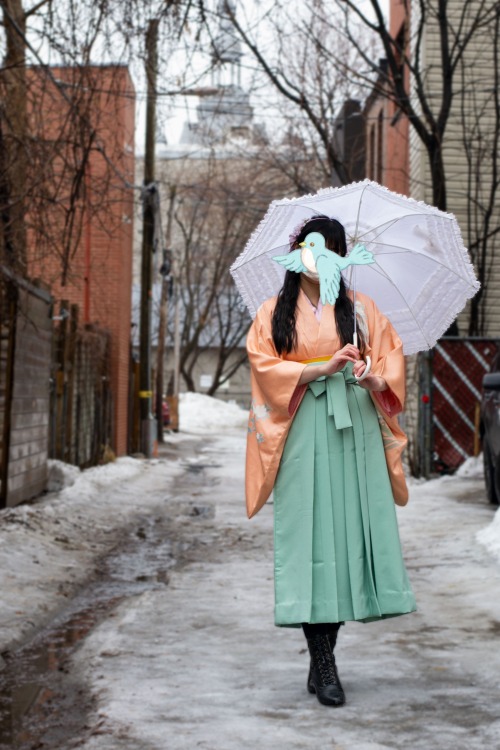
<point>62,341</point>
<point>11,308</point>
<point>70,388</point>
<point>425,442</point>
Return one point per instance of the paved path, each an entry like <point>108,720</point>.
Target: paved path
<point>199,664</point>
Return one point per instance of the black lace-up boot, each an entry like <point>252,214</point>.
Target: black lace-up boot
<point>324,679</point>
<point>331,631</point>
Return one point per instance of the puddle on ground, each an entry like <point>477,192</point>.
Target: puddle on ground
<point>40,705</point>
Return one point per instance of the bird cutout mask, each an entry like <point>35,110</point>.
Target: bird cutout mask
<point>316,261</point>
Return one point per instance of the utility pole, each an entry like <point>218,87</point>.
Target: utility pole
<point>177,344</point>
<point>166,274</point>
<point>425,431</point>
<point>13,138</point>
<point>150,207</point>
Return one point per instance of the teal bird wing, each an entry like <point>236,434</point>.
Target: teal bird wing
<point>360,256</point>
<point>292,261</point>
<point>329,277</point>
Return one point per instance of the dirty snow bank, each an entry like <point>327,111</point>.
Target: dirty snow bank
<point>203,414</point>
<point>61,475</point>
<point>49,547</point>
<point>472,468</point>
<point>490,536</point>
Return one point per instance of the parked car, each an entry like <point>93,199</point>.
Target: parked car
<point>490,430</point>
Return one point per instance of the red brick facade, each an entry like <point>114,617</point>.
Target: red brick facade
<point>81,235</point>
<point>387,130</point>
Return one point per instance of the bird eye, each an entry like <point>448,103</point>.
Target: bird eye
<point>312,244</point>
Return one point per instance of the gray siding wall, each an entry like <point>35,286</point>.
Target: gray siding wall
<point>468,145</point>
<point>29,411</point>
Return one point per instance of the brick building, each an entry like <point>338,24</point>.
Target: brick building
<point>386,129</point>
<point>81,225</point>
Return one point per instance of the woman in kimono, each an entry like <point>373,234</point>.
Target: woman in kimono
<point>330,446</point>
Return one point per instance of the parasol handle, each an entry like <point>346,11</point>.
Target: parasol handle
<point>367,369</point>
<point>368,359</point>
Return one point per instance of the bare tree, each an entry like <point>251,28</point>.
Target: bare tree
<point>13,131</point>
<point>429,88</point>
<point>48,129</point>
<point>213,221</point>
<point>406,82</point>
<point>436,92</point>
<point>53,119</point>
<point>313,68</point>
<point>330,51</point>
<point>219,201</point>
<point>480,127</point>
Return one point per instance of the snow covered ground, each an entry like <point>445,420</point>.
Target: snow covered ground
<point>199,664</point>
<point>48,548</point>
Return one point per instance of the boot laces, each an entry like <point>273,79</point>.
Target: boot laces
<point>325,661</point>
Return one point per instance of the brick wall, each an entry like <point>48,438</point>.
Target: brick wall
<point>93,266</point>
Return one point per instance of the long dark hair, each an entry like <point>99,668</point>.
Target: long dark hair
<point>283,320</point>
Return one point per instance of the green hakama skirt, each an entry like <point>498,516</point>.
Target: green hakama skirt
<point>337,554</point>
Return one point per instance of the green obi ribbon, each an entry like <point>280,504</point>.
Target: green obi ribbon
<point>336,395</point>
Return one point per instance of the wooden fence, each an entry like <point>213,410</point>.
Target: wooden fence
<point>450,390</point>
<point>55,395</point>
<point>81,403</point>
<point>458,368</point>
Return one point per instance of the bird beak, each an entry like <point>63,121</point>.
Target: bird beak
<point>302,244</point>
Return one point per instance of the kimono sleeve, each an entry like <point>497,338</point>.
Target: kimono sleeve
<point>388,362</point>
<point>275,397</point>
<point>276,378</point>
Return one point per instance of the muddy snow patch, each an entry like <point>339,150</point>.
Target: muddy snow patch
<point>61,475</point>
<point>48,548</point>
<point>472,468</point>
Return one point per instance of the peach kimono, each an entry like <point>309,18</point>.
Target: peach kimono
<point>276,395</point>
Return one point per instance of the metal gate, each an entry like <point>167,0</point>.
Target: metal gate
<point>458,367</point>
<point>25,344</point>
<point>81,403</point>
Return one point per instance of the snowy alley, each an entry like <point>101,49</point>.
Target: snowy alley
<point>168,589</point>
